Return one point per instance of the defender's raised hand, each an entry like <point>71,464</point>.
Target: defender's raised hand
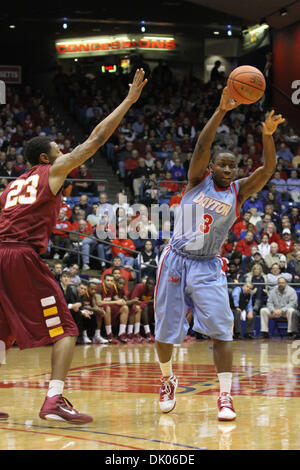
<point>227,102</point>
<point>137,85</point>
<point>271,123</point>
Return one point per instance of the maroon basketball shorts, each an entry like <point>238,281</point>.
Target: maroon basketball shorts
<point>33,310</point>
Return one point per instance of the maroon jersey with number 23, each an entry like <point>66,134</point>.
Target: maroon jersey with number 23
<point>29,209</point>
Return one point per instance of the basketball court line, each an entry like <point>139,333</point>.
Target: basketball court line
<point>85,430</point>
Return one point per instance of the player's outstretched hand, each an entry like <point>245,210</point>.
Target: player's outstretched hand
<point>271,123</point>
<point>137,85</point>
<point>227,102</point>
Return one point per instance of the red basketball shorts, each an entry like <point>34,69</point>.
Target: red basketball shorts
<point>33,310</point>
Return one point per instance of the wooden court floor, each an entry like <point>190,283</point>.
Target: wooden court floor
<point>118,385</point>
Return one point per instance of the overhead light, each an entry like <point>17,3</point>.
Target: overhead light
<point>216,33</point>
<point>143,29</point>
<point>12,26</point>
<point>283,12</point>
<point>75,60</point>
<point>65,25</point>
<point>229,32</point>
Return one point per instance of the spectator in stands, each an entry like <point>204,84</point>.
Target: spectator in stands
<point>122,154</point>
<point>281,186</point>
<point>215,74</point>
<point>138,125</point>
<point>275,274</point>
<point>84,186</point>
<point>294,267</point>
<point>255,219</point>
<point>255,258</point>
<point>94,218</point>
<point>131,163</point>
<point>253,201</point>
<point>64,281</point>
<point>285,153</point>
<point>293,186</point>
<point>60,237</point>
<point>74,272</point>
<point>292,256</point>
<point>264,246</point>
<point>273,197</point>
<point>168,185</point>
<point>275,218</point>
<point>259,291</point>
<point>84,204</point>
<point>2,163</point>
<point>273,256</point>
<point>9,170</point>
<point>241,224</point>
<point>146,258</point>
<point>105,208</point>
<point>186,128</point>
<point>286,244</point>
<point>177,170</point>
<point>20,166</point>
<point>128,274</point>
<point>139,174</point>
<point>80,215</point>
<point>122,202</point>
<point>294,216</point>
<point>57,270</point>
<point>242,303</point>
<point>123,242</point>
<point>282,302</point>
<point>271,232</point>
<point>244,246</point>
<point>74,298</point>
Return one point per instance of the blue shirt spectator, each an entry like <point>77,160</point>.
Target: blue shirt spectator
<point>285,153</point>
<point>293,182</point>
<point>253,202</point>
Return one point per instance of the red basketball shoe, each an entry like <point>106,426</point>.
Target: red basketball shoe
<point>138,338</point>
<point>123,338</point>
<point>167,400</point>
<point>3,415</point>
<point>59,408</point>
<point>112,339</point>
<point>150,338</point>
<point>226,411</point>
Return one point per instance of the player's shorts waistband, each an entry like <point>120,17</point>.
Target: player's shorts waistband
<point>191,256</point>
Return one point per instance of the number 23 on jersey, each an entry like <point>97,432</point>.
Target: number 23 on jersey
<point>29,197</point>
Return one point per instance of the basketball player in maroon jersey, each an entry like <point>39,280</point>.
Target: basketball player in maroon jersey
<point>36,313</point>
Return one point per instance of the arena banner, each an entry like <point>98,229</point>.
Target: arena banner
<point>11,74</point>
<point>107,45</point>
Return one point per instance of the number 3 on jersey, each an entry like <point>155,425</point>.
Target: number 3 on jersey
<point>29,197</point>
<point>207,221</point>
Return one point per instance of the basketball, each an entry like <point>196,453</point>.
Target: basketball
<point>246,84</point>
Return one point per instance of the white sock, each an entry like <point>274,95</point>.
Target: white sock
<point>225,379</point>
<point>84,333</point>
<point>55,388</point>
<point>137,327</point>
<point>130,329</point>
<point>166,368</point>
<point>122,329</point>
<point>108,329</point>
<point>147,329</point>
<point>97,333</point>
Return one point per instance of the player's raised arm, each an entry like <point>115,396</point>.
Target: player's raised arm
<point>102,132</point>
<point>201,154</point>
<point>256,181</point>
